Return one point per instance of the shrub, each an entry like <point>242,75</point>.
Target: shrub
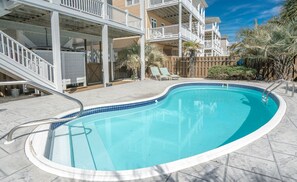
<point>231,73</point>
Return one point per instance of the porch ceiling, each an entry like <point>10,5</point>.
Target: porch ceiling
<point>170,14</point>
<point>39,17</point>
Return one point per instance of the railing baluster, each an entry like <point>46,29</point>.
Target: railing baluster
<point>22,50</point>
<point>17,52</point>
<point>2,43</point>
<point>8,49</point>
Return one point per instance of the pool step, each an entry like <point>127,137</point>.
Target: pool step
<point>81,155</point>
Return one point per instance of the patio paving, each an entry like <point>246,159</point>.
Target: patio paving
<point>273,157</point>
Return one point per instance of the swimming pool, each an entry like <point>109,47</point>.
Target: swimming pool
<point>185,122</point>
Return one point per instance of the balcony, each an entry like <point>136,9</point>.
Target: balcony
<point>96,8</point>
<point>213,45</point>
<point>210,27</point>
<point>171,32</point>
<point>158,4</point>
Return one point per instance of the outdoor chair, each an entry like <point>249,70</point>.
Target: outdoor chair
<point>164,71</point>
<point>157,75</point>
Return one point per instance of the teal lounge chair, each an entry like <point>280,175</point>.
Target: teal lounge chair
<point>165,71</point>
<point>156,74</point>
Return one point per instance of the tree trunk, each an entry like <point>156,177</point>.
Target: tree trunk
<point>192,64</point>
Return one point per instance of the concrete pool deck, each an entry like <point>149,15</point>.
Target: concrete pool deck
<point>271,158</point>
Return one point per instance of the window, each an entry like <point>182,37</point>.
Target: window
<point>162,24</point>
<point>153,23</point>
<point>131,2</point>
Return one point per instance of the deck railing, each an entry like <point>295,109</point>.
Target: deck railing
<point>21,55</point>
<point>93,7</point>
<point>171,32</point>
<point>187,3</point>
<point>123,17</point>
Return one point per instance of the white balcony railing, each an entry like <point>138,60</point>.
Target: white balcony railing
<point>210,27</point>
<point>165,32</point>
<point>187,3</point>
<point>123,17</point>
<point>213,45</point>
<point>157,3</point>
<point>171,32</point>
<point>95,7</point>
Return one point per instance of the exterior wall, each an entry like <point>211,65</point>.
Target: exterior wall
<point>119,44</point>
<point>213,39</point>
<point>159,20</point>
<point>225,46</point>
<point>133,9</point>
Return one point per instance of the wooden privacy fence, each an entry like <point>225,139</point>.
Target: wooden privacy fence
<point>180,66</point>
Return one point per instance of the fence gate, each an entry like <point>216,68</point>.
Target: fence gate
<point>94,73</point>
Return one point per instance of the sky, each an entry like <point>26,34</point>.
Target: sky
<point>237,14</point>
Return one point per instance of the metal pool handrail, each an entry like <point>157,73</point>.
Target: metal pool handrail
<point>272,87</point>
<point>9,139</point>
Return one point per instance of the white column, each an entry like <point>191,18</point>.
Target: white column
<point>142,41</point>
<point>180,46</point>
<point>190,21</point>
<point>105,9</point>
<point>142,57</point>
<point>56,47</point>
<point>111,59</point>
<point>105,68</point>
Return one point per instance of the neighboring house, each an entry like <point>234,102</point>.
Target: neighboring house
<point>62,33</point>
<point>213,37</point>
<point>225,44</point>
<point>169,23</point>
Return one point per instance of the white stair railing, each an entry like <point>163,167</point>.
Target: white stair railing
<point>30,61</point>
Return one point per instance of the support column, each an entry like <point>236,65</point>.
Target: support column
<point>142,41</point>
<point>180,46</point>
<point>111,59</point>
<point>56,47</point>
<point>105,68</point>
<point>190,22</point>
<point>86,60</point>
<point>142,58</point>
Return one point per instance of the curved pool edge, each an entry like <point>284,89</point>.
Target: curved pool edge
<point>36,154</point>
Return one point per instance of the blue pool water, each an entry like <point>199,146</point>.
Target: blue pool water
<point>190,120</point>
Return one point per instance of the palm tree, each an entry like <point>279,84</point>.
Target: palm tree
<point>272,44</point>
<point>130,58</point>
<point>289,11</point>
<point>191,48</point>
<point>153,57</point>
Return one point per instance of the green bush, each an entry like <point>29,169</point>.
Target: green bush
<point>231,73</point>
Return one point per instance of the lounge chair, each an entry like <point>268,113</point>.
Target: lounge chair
<point>156,73</point>
<point>165,71</point>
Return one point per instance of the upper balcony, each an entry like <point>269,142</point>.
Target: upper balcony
<point>171,32</point>
<point>96,8</point>
<point>210,28</point>
<point>92,11</point>
<point>166,7</point>
<point>215,45</point>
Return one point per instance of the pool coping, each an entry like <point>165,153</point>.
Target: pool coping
<point>35,154</point>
